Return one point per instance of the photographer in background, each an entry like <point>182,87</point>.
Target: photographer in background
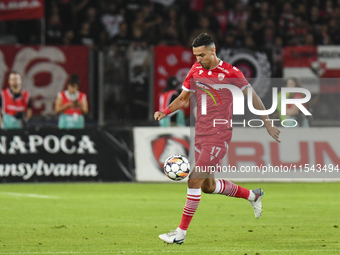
<point>168,95</point>
<point>15,104</point>
<point>71,104</point>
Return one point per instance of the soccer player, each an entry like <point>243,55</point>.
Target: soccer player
<point>211,143</point>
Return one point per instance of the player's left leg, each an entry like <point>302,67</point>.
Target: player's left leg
<point>196,178</point>
<point>195,181</point>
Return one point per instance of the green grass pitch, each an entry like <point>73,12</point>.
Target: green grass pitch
<point>126,218</point>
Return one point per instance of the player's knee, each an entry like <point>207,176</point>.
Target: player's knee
<point>194,183</point>
<point>208,189</point>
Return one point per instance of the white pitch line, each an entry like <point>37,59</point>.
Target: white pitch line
<point>166,251</point>
<point>26,195</point>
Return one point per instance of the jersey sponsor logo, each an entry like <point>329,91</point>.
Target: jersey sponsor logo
<point>201,71</point>
<point>15,108</point>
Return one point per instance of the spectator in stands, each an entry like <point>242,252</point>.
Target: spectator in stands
<point>241,33</point>
<point>277,56</point>
<point>154,23</point>
<point>249,42</point>
<point>71,105</point>
<point>80,9</point>
<point>256,32</point>
<point>68,38</point>
<point>171,28</point>
<point>229,40</point>
<point>238,14</point>
<point>85,37</point>
<point>222,15</point>
<point>334,31</point>
<point>287,21</point>
<point>328,12</point>
<point>15,104</point>
<point>54,30</point>
<point>111,20</point>
<point>203,27</point>
<point>214,24</point>
<point>315,19</point>
<point>122,39</point>
<point>324,37</point>
<point>302,12</point>
<point>337,14</point>
<point>269,39</point>
<point>65,13</point>
<point>309,40</point>
<point>299,31</point>
<point>96,27</point>
<point>260,12</point>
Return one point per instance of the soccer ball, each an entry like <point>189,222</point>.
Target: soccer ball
<point>177,167</point>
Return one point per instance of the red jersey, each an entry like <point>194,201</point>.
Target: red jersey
<point>164,99</point>
<point>80,96</point>
<point>207,81</point>
<point>11,105</point>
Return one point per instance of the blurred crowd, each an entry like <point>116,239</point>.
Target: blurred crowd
<point>233,23</point>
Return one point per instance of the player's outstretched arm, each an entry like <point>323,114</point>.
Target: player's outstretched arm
<point>178,103</point>
<point>258,105</point>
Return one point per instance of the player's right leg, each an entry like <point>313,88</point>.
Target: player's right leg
<point>213,151</point>
<point>230,189</point>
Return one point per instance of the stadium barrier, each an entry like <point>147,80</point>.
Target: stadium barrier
<point>304,154</point>
<point>53,155</point>
<point>95,154</point>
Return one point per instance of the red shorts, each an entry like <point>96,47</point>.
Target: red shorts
<point>210,149</point>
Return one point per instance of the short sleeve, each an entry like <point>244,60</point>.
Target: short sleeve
<point>238,79</point>
<point>84,97</point>
<point>189,79</point>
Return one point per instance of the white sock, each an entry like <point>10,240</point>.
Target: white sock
<point>184,232</point>
<point>218,187</point>
<point>251,196</point>
<point>194,191</point>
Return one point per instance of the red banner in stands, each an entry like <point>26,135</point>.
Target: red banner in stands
<point>310,63</point>
<point>21,9</point>
<point>45,71</point>
<point>300,56</point>
<point>170,61</point>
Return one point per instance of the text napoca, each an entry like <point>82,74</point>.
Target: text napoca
<point>32,144</point>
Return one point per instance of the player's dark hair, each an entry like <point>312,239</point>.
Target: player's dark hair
<point>74,80</point>
<point>203,39</point>
<point>14,72</point>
